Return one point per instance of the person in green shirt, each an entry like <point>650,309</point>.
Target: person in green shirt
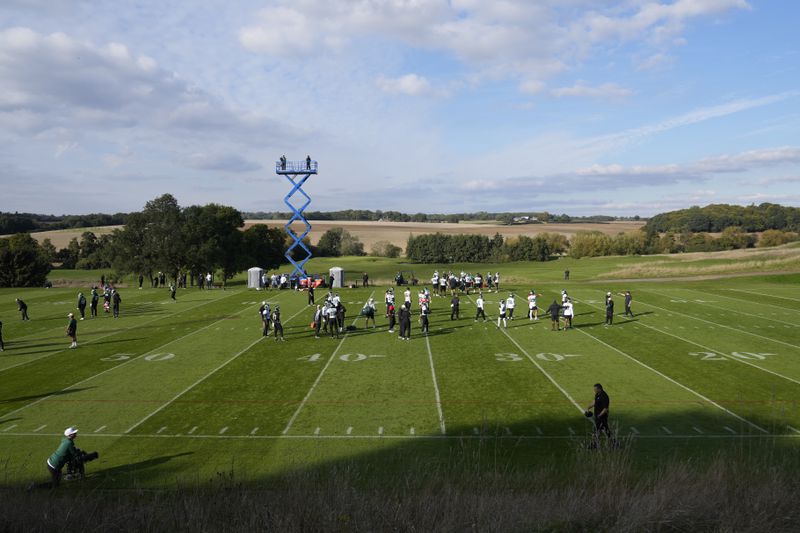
<point>72,330</point>
<point>65,452</point>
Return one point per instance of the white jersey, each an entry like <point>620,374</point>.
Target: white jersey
<point>479,303</point>
<point>510,303</point>
<point>335,300</point>
<point>532,301</point>
<point>407,296</point>
<point>568,309</point>
<point>564,298</point>
<point>502,307</point>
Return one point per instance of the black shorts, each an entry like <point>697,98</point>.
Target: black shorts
<point>601,423</point>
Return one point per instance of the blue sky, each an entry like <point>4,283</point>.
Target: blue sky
<point>630,107</point>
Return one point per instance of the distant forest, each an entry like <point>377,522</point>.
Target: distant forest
<point>715,218</point>
<point>29,222</point>
<point>396,216</point>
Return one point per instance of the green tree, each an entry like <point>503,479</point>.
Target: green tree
<point>263,246</point>
<point>22,262</point>
<point>48,250</point>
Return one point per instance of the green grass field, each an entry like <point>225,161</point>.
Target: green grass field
<point>186,391</point>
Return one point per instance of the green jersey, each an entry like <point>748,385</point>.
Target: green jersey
<point>65,451</point>
<point>72,328</point>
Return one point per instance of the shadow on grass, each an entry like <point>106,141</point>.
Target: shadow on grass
<point>42,395</point>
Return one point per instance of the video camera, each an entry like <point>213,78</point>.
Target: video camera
<point>75,468</point>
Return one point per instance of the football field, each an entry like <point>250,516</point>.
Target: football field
<point>189,389</point>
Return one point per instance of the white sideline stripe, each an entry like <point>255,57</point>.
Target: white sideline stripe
<point>154,350</point>
<point>196,383</point>
<point>694,436</point>
<point>771,296</point>
<point>162,429</point>
<point>223,430</point>
<point>763,317</point>
<point>319,377</point>
<point>101,428</point>
<point>693,317</point>
<point>192,430</point>
<point>794,429</point>
<point>666,430</point>
<point>730,430</point>
<point>255,430</point>
<point>109,334</point>
<point>436,388</point>
<point>9,428</point>
<point>681,385</point>
<point>37,430</point>
<point>380,430</point>
<point>350,430</point>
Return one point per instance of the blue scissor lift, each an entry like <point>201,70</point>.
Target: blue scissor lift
<point>297,172</point>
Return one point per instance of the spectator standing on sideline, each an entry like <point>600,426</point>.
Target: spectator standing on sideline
<point>310,291</point>
<point>365,280</point>
<point>553,310</point>
<point>116,299</point>
<point>82,305</point>
<point>72,330</point>
<point>23,309</point>
<point>172,291</point>
<point>95,298</point>
<point>141,280</point>
<point>566,275</point>
<point>102,280</point>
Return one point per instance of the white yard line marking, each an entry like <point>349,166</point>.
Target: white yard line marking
<point>762,317</point>
<point>693,317</point>
<point>196,383</point>
<point>9,428</point>
<point>571,431</point>
<point>681,385</point>
<point>319,378</point>
<point>770,296</point>
<point>666,430</point>
<point>128,361</point>
<point>697,429</point>
<point>436,387</point>
<point>794,429</point>
<point>161,430</point>
<point>729,430</point>
<point>101,428</point>
<point>634,430</point>
<point>380,430</point>
<point>37,430</point>
<point>255,430</point>
<point>539,430</point>
<point>694,436</point>
<point>192,430</point>
<point>350,430</point>
<point>223,430</point>
<point>110,334</point>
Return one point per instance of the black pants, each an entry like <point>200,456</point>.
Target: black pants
<point>82,310</point>
<point>480,314</point>
<point>172,295</point>
<point>317,325</point>
<point>601,428</point>
<point>265,331</point>
<point>310,298</point>
<point>24,314</point>
<point>628,311</point>
<point>391,322</point>
<point>2,346</point>
<point>278,327</point>
<point>609,318</point>
<point>55,479</point>
<point>116,310</point>
<point>93,309</point>
<point>405,328</point>
<point>454,313</point>
<point>425,324</point>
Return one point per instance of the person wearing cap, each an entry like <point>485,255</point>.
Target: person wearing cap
<point>72,330</point>
<point>23,309</point>
<point>82,305</point>
<point>65,452</point>
<point>628,301</point>
<point>553,310</point>
<point>609,310</point>
<point>454,307</point>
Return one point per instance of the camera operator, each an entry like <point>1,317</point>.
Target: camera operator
<point>65,452</point>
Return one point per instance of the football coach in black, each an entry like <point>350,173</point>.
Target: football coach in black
<point>601,405</point>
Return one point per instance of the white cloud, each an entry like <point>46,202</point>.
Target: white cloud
<point>532,86</point>
<point>606,90</point>
<point>409,84</point>
<point>222,162</point>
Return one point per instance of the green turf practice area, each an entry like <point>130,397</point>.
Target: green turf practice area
<point>182,391</point>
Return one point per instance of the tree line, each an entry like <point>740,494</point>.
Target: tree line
<point>715,218</point>
<point>28,222</point>
<point>441,248</point>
